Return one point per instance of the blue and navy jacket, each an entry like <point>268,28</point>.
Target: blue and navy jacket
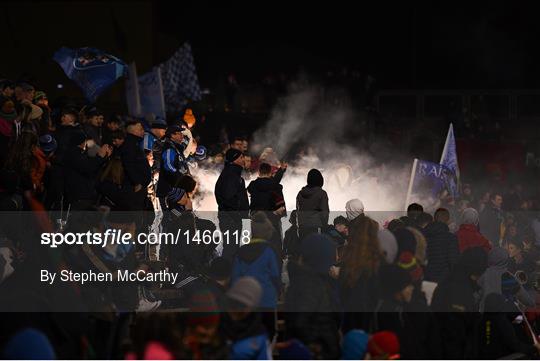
<point>173,167</point>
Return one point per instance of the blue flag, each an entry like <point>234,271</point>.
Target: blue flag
<point>91,69</point>
<point>180,81</point>
<point>431,179</point>
<point>449,160</point>
<point>151,94</point>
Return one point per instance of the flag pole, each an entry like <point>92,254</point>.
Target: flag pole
<point>411,181</point>
<point>134,88</point>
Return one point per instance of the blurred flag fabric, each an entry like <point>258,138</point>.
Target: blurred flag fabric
<point>449,160</point>
<point>180,81</point>
<point>91,69</point>
<point>151,94</point>
<point>429,180</point>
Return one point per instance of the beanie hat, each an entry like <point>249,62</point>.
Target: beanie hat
<point>293,350</point>
<point>394,279</point>
<point>470,216</point>
<point>407,262</point>
<point>47,143</point>
<point>261,226</point>
<point>174,195</point>
<point>384,345</point>
<point>388,244</point>
<point>7,108</point>
<point>315,178</point>
<point>509,285</point>
<point>246,291</point>
<point>77,138</point>
<point>354,345</point>
<point>405,240</point>
<point>220,268</point>
<point>29,344</point>
<point>354,208</point>
<point>40,95</point>
<point>232,155</point>
<point>203,309</point>
<point>200,153</point>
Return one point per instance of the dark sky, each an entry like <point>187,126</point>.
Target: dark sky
<point>404,44</point>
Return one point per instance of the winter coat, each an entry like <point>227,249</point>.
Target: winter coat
<point>358,301</point>
<point>81,172</point>
<point>230,191</point>
<point>312,207</point>
<point>490,224</point>
<point>442,251</point>
<point>469,237</point>
<point>134,160</point>
<point>267,195</point>
<point>173,166</point>
<point>257,259</point>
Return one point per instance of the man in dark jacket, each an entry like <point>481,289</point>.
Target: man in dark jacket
<point>81,172</point>
<point>312,205</point>
<point>456,307</point>
<point>442,249</point>
<point>267,196</point>
<point>173,163</point>
<point>136,167</point>
<point>491,219</point>
<point>232,200</point>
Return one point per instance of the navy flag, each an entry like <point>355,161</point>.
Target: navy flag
<point>91,69</point>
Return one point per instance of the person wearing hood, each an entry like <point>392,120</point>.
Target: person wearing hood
<point>232,198</point>
<point>468,233</point>
<point>312,205</point>
<point>81,172</point>
<point>311,302</point>
<point>267,196</point>
<point>498,334</point>
<point>442,247</point>
<point>491,280</point>
<point>258,259</point>
<point>354,208</point>
<point>242,325</point>
<point>455,307</point>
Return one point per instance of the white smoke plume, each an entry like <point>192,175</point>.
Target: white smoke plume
<point>305,118</point>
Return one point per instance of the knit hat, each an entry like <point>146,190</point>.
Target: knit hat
<point>293,350</point>
<point>384,345</point>
<point>393,279</point>
<point>354,208</point>
<point>470,216</point>
<point>77,138</point>
<point>246,291</point>
<point>220,269</point>
<point>174,195</point>
<point>354,345</point>
<point>200,153</point>
<point>315,178</point>
<point>509,285</point>
<point>232,155</point>
<point>388,244</point>
<point>40,95</point>
<point>28,344</point>
<point>408,262</point>
<point>203,309</point>
<point>261,226</point>
<point>405,240</point>
<point>171,129</point>
<point>7,108</point>
<point>47,143</point>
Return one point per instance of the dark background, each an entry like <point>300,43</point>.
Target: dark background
<point>407,44</point>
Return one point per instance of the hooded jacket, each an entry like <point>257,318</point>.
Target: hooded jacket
<point>312,207</point>
<point>266,194</point>
<point>490,282</point>
<point>258,260</point>
<point>442,251</point>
